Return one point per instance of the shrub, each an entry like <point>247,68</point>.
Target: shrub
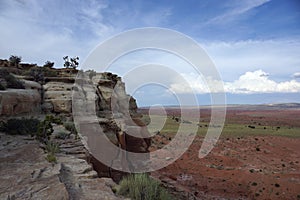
<point>11,81</point>
<point>15,60</point>
<point>62,135</point>
<point>44,131</point>
<point>20,126</point>
<point>48,64</point>
<point>141,186</point>
<point>37,74</point>
<point>51,158</point>
<point>53,119</point>
<point>71,62</point>
<point>70,126</point>
<point>52,147</point>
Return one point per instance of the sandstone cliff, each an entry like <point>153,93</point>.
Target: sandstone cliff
<point>72,177</point>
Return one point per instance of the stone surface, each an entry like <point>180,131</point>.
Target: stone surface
<point>57,97</point>
<point>26,174</point>
<point>115,110</point>
<point>19,101</point>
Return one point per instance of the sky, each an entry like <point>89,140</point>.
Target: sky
<point>254,44</point>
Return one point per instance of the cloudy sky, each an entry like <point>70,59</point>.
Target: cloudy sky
<point>254,44</point>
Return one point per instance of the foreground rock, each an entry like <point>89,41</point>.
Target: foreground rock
<point>26,174</point>
<point>19,101</point>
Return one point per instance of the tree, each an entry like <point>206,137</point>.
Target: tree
<point>15,60</point>
<point>71,62</point>
<point>48,64</point>
<point>37,73</point>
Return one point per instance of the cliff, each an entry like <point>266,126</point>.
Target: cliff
<point>72,177</point>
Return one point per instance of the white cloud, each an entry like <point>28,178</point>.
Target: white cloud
<point>236,8</point>
<point>248,83</point>
<point>296,75</point>
<point>278,57</point>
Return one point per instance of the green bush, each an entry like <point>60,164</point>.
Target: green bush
<point>70,126</point>
<point>51,158</point>
<point>15,60</point>
<point>20,126</point>
<point>52,147</point>
<point>48,64</point>
<point>11,81</point>
<point>62,135</point>
<point>44,131</point>
<point>141,186</point>
<point>53,119</point>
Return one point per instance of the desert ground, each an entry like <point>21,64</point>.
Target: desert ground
<point>256,157</point>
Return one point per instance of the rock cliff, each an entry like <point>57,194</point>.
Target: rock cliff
<point>25,173</point>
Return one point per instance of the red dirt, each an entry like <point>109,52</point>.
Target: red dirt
<point>245,168</point>
<point>250,167</point>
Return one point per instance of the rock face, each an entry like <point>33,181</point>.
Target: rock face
<point>115,112</point>
<point>19,101</point>
<point>25,173</point>
<point>57,97</point>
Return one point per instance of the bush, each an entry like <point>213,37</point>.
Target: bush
<point>53,119</point>
<point>44,131</point>
<point>15,60</point>
<point>11,81</point>
<point>62,135</point>
<point>52,147</point>
<point>141,186</point>
<point>20,126</point>
<point>48,64</point>
<point>51,158</point>
<point>37,74</point>
<point>70,126</point>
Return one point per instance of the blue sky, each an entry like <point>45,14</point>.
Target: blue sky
<point>255,44</point>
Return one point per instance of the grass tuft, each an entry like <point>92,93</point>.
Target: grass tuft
<point>141,186</point>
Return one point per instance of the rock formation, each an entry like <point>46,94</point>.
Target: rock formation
<point>19,101</point>
<point>26,174</point>
<point>72,178</point>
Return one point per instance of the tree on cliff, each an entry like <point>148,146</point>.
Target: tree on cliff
<point>48,64</point>
<point>71,62</point>
<point>15,60</point>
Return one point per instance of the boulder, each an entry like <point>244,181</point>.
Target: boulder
<point>19,101</point>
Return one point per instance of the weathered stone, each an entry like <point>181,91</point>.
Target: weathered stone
<point>25,173</point>
<point>19,101</point>
<point>59,95</point>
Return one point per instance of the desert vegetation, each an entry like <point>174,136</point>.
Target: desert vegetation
<point>142,187</point>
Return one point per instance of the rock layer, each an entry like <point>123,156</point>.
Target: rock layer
<point>19,101</point>
<point>25,173</point>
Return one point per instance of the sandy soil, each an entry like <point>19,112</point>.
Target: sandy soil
<point>248,167</point>
<point>244,168</point>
